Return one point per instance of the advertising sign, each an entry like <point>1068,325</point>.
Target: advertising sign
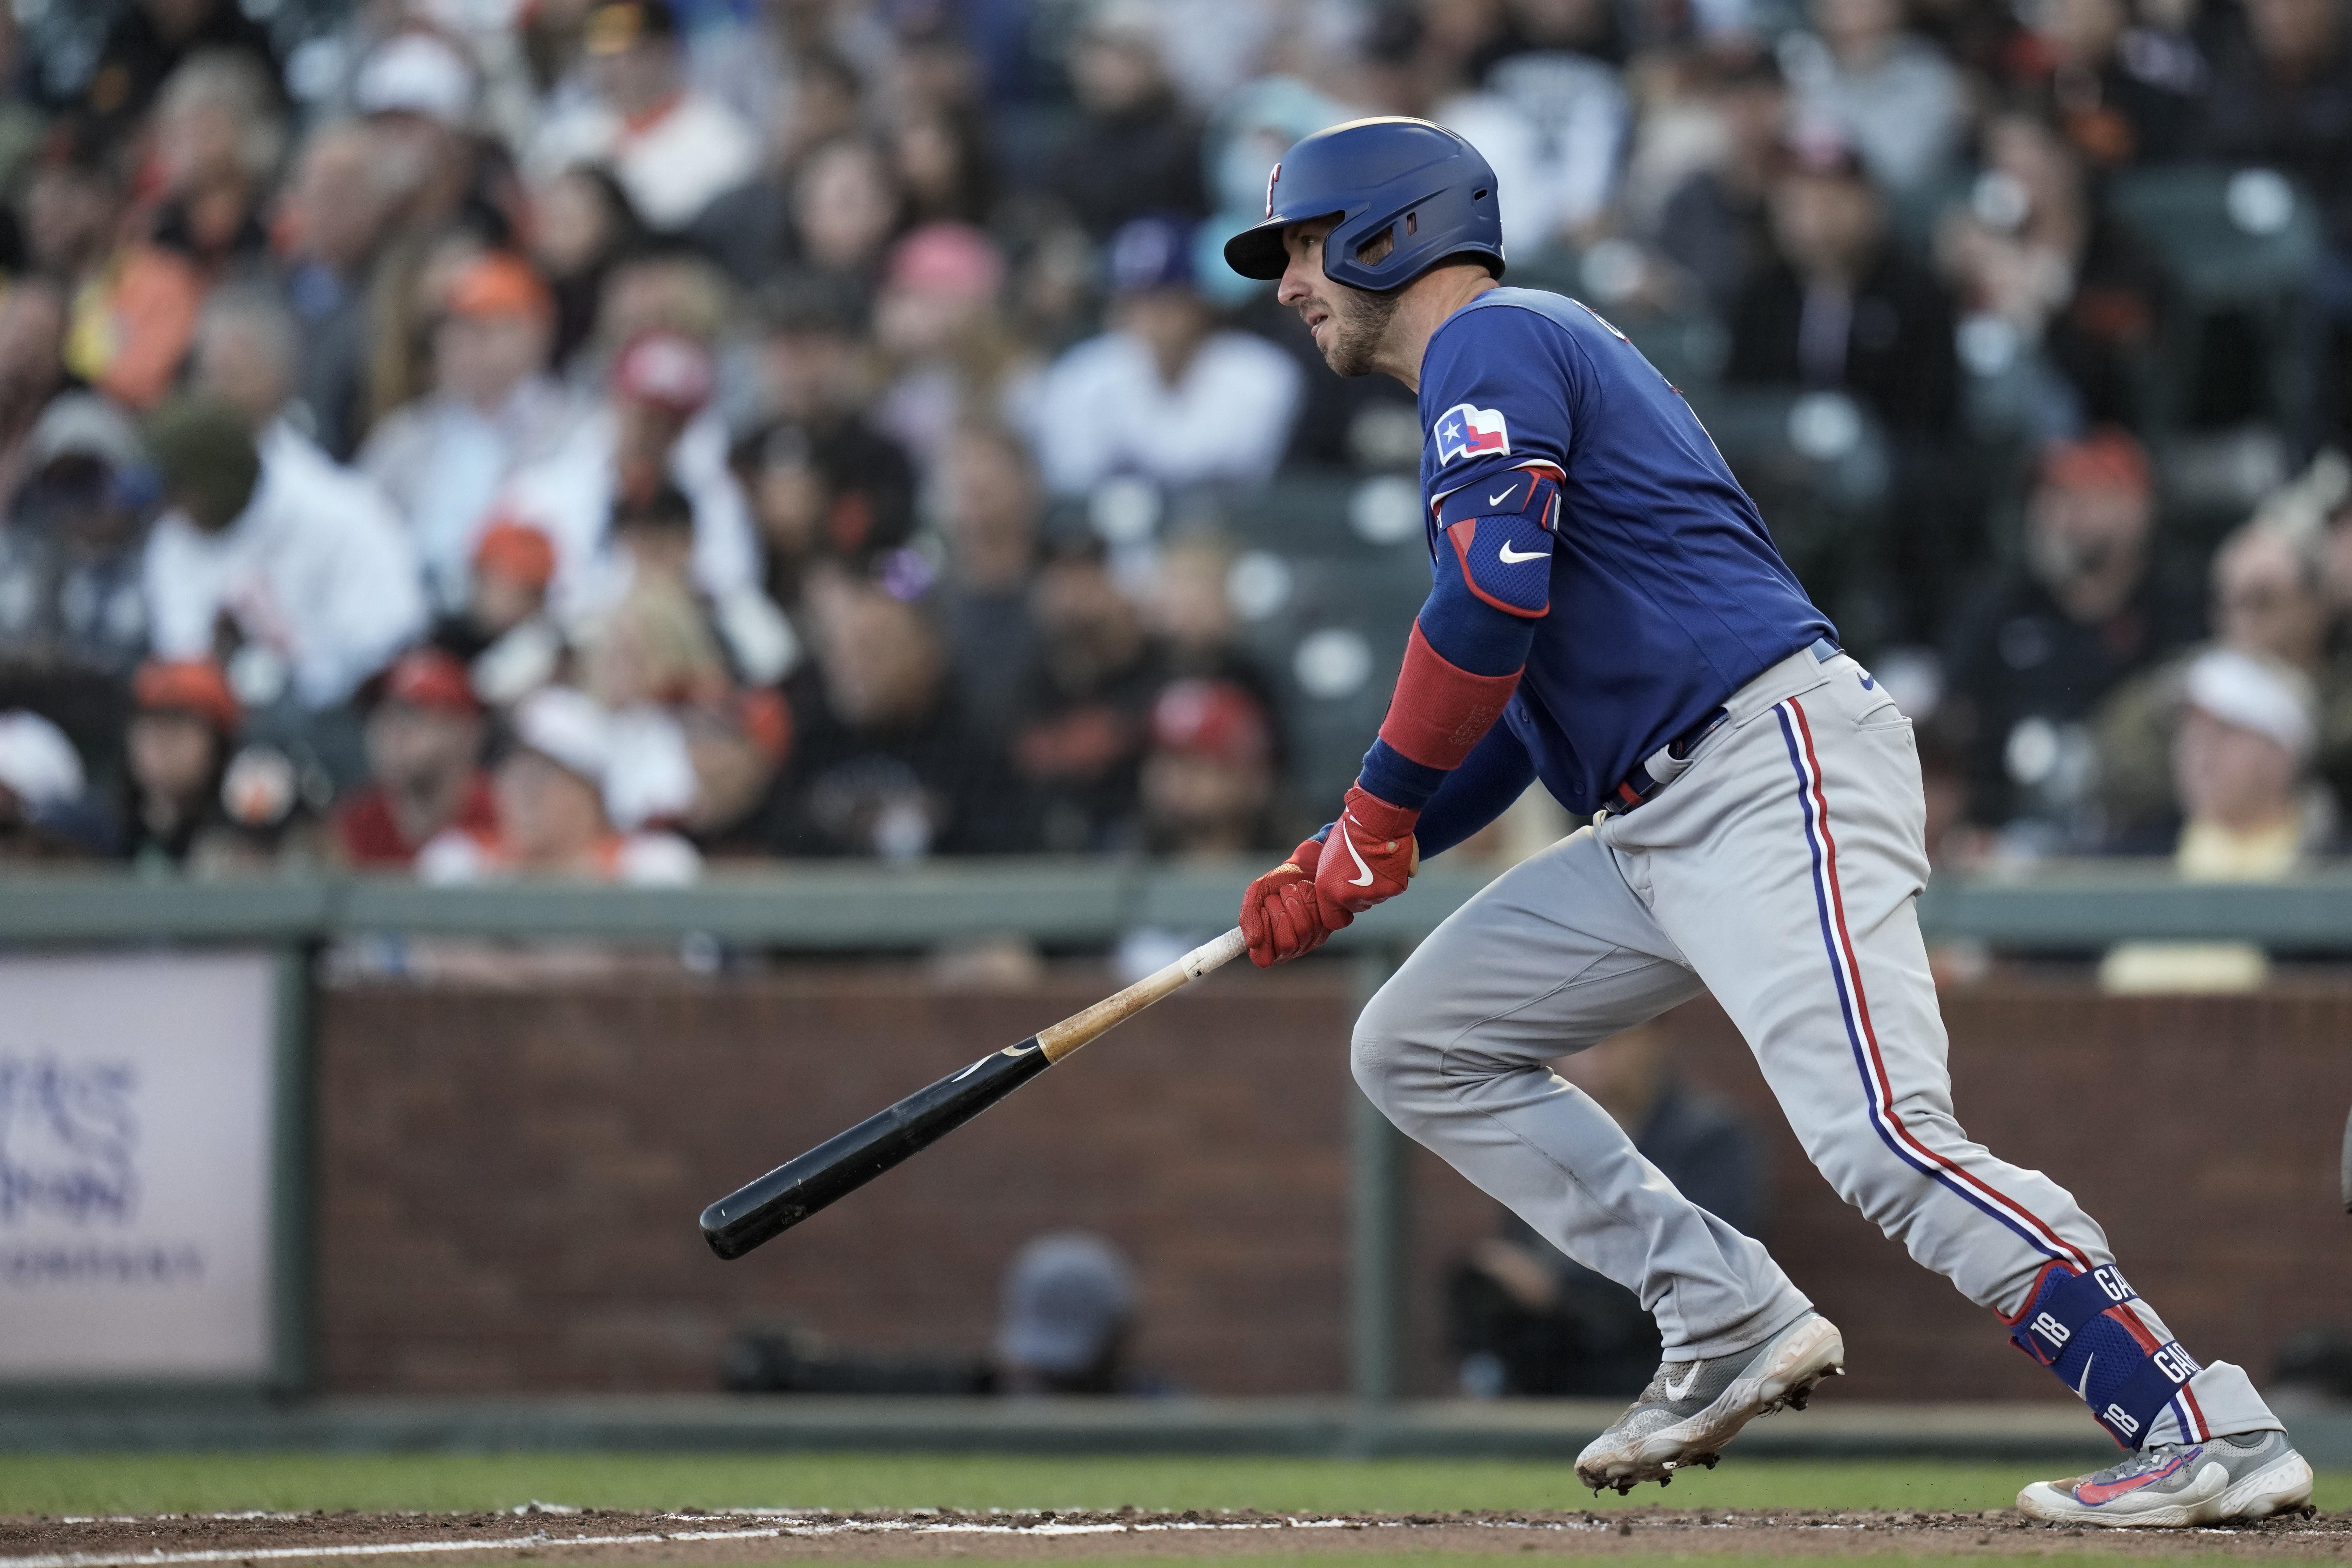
<point>138,1132</point>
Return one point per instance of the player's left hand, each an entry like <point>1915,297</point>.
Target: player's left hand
<point>1370,857</point>
<point>1280,919</point>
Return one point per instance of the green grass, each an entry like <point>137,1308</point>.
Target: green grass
<point>160,1483</point>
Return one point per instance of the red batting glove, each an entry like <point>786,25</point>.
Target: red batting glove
<point>1279,918</point>
<point>1370,857</point>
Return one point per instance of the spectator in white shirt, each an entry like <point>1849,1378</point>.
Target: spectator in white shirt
<point>268,546</point>
<point>551,787</point>
<point>1893,93</point>
<point>656,424</point>
<point>493,411</point>
<point>1166,395</point>
<point>672,146</point>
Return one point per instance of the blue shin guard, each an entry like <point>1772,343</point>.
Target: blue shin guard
<point>2081,1327</point>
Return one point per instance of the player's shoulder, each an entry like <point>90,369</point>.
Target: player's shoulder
<point>1529,315</point>
<point>1524,324</point>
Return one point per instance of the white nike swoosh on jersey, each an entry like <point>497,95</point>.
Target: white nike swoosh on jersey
<point>1357,855</point>
<point>1502,495</point>
<point>1510,557</point>
<point>1689,1378</point>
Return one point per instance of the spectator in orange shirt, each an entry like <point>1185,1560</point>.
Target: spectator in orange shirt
<point>424,748</point>
<point>218,141</point>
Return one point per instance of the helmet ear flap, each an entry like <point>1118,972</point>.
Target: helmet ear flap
<point>1376,247</point>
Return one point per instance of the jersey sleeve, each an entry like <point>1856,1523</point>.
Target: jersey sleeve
<point>1500,379</point>
<point>1498,382</point>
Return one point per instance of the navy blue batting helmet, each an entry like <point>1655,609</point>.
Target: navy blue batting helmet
<point>1420,184</point>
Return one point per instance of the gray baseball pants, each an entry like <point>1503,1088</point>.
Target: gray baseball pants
<point>1777,871</point>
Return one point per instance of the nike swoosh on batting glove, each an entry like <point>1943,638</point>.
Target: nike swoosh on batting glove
<point>1370,857</point>
<point>1279,917</point>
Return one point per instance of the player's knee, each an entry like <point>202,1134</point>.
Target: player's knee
<point>1373,1057</point>
<point>1389,1047</point>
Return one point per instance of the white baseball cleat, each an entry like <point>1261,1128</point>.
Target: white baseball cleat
<point>1692,1408</point>
<point>2223,1480</point>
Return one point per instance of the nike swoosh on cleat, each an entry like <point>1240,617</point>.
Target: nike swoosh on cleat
<point>1357,855</point>
<point>1690,1379</point>
<point>1500,496</point>
<point>2097,1493</point>
<point>1510,557</point>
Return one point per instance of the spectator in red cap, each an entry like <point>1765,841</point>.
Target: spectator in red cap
<point>2089,606</point>
<point>493,410</point>
<point>504,633</point>
<point>423,749</point>
<point>657,424</point>
<point>513,565</point>
<point>1208,777</point>
<point>184,719</point>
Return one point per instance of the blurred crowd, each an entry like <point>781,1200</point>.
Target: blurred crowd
<point>611,437</point>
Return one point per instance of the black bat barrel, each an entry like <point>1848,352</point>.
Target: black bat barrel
<point>840,1166</point>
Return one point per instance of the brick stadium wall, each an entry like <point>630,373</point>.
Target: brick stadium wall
<point>510,1178</point>
<point>510,1181</point>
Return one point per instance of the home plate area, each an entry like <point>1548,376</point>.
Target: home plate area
<point>548,1531</point>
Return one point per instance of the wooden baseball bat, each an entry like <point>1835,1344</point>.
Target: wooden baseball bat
<point>796,1189</point>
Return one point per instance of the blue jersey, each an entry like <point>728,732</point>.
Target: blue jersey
<point>1649,591</point>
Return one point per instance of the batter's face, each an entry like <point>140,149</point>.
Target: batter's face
<point>1348,324</point>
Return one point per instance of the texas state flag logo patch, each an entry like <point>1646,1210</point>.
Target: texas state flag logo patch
<point>1464,431</point>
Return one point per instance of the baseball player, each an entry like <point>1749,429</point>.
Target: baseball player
<point>1608,615</point>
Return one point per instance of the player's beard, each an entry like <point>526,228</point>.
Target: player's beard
<point>1359,319</point>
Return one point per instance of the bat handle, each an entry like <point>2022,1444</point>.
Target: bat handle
<point>1212,956</point>
<point>1082,1028</point>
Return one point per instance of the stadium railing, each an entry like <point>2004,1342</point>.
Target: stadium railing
<point>2078,907</point>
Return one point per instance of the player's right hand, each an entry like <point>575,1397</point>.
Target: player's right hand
<point>1280,916</point>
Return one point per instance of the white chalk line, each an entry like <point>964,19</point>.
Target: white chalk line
<point>800,1527</point>
<point>541,1540</point>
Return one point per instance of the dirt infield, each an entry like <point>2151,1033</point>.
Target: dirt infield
<point>694,1536</point>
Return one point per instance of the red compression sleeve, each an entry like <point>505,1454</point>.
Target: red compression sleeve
<point>1440,710</point>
